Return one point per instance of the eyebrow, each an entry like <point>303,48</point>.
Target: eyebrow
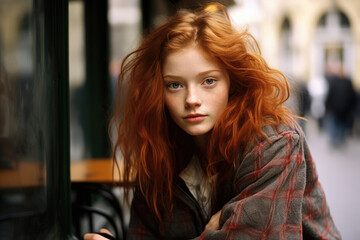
<point>197,75</point>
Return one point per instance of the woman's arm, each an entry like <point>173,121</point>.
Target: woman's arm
<point>142,225</point>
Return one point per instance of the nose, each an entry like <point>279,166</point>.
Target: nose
<point>192,98</point>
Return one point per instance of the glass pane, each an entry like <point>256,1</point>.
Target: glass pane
<point>125,31</point>
<point>125,34</point>
<point>22,165</point>
<point>77,79</point>
<point>33,110</point>
<point>89,79</point>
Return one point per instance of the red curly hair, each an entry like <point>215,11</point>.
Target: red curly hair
<point>151,144</point>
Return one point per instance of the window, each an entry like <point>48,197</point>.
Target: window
<point>34,143</point>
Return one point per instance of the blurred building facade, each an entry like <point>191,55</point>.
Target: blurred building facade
<point>302,38</point>
<point>299,37</point>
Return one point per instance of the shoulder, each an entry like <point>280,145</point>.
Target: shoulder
<point>281,142</point>
<point>274,137</point>
<point>291,129</point>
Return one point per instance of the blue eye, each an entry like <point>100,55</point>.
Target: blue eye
<point>210,81</point>
<point>174,85</point>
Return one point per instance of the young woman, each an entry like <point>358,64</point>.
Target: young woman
<point>215,153</point>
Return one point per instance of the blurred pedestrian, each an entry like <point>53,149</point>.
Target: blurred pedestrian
<point>340,104</point>
<point>318,89</point>
<point>303,102</point>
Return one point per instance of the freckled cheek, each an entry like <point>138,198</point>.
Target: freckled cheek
<point>221,97</point>
<point>220,104</point>
<point>172,103</point>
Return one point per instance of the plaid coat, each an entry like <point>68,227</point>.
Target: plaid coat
<point>275,195</point>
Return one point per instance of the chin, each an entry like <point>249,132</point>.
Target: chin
<point>197,132</point>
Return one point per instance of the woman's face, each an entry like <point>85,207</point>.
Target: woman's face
<point>196,89</point>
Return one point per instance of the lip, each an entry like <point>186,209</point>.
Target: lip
<point>193,118</point>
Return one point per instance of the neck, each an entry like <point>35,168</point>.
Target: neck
<point>201,142</point>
